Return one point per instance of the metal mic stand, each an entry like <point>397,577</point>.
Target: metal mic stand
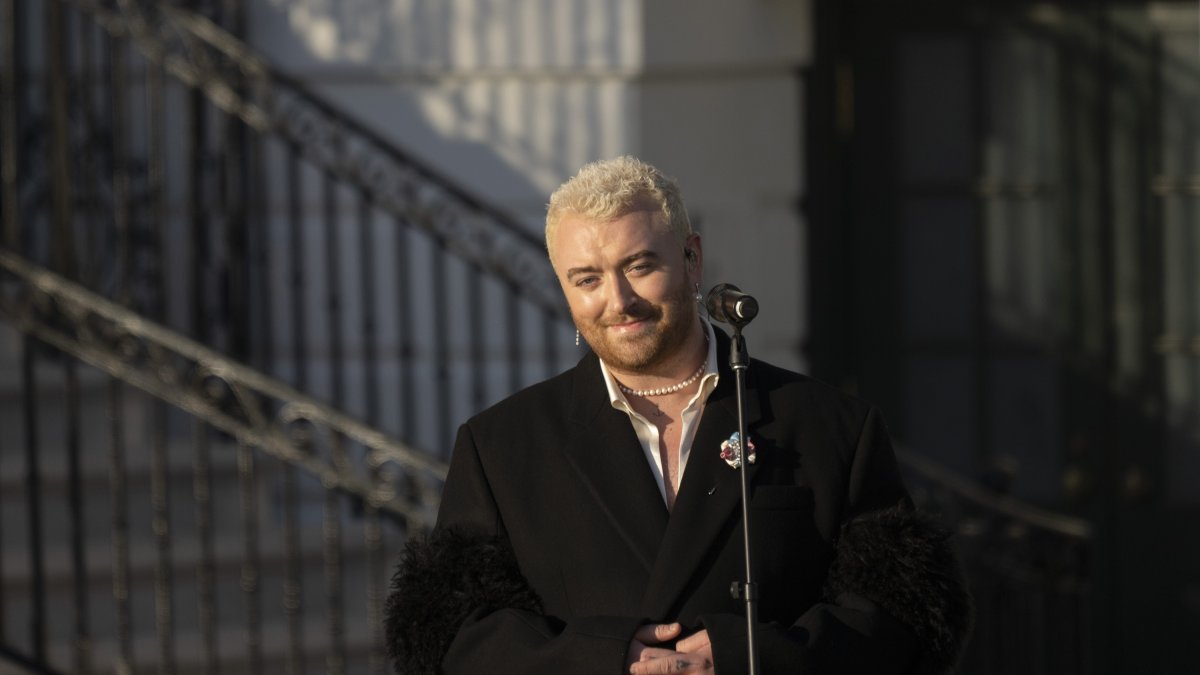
<point>739,362</point>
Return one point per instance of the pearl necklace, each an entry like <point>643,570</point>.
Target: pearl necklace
<point>643,393</point>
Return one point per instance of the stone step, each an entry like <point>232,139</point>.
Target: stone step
<point>315,647</point>
<point>67,598</point>
<point>51,425</point>
<point>99,503</point>
<point>229,581</point>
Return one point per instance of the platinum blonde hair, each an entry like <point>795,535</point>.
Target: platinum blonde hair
<point>611,188</point>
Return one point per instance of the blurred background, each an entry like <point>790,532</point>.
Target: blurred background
<point>260,258</point>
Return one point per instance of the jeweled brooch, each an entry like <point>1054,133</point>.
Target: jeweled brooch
<point>731,450</point>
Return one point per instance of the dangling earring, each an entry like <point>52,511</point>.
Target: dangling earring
<point>576,337</point>
<point>699,297</point>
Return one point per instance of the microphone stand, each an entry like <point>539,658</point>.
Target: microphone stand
<point>739,362</point>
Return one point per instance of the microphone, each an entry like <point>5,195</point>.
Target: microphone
<point>728,304</point>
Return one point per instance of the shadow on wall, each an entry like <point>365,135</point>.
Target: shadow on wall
<point>509,98</point>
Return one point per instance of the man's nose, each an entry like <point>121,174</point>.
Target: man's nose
<point>621,296</point>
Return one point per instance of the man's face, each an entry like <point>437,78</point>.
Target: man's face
<point>629,287</point>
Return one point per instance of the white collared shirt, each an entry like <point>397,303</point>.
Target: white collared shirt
<point>647,431</point>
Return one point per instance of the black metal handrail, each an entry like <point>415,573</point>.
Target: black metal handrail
<point>969,491</point>
<point>253,408</point>
<point>205,56</point>
<point>1029,570</point>
<point>240,420</point>
<point>301,242</point>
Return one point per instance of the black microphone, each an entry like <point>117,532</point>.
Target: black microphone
<point>728,304</point>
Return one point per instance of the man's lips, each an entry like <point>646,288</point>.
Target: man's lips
<point>628,324</point>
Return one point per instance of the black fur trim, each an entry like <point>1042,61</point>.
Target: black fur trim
<point>904,562</point>
<point>443,578</point>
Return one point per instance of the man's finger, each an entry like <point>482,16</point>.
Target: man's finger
<point>657,632</point>
<point>650,653</point>
<point>671,664</point>
<point>694,642</point>
<point>666,665</point>
<point>667,631</point>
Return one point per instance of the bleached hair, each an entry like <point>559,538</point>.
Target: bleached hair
<point>611,188</point>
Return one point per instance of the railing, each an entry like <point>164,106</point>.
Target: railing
<point>299,241</point>
<point>278,482</point>
<point>1029,571</point>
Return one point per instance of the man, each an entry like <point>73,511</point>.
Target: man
<point>591,523</point>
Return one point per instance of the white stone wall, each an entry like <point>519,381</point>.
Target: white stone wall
<point>510,97</point>
<point>720,109</point>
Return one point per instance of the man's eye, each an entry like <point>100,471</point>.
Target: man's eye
<point>586,281</point>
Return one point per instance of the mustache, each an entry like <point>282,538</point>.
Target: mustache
<point>627,317</point>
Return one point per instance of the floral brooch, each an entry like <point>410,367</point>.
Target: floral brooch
<point>731,450</point>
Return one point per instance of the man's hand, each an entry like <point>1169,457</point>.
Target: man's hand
<point>692,654</point>
<point>651,634</point>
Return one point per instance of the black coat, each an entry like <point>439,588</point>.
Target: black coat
<point>559,475</point>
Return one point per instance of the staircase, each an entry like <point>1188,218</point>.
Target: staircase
<point>166,508</point>
<point>237,332</point>
<point>209,276</point>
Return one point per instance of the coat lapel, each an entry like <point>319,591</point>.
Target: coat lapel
<point>709,496</point>
<point>605,453</point>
